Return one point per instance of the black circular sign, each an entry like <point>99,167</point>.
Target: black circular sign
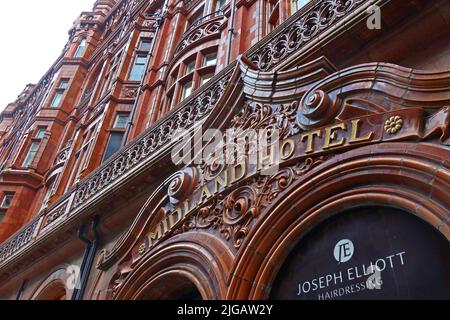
<point>367,253</point>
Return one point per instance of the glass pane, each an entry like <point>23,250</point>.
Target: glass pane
<point>40,133</point>
<point>141,59</point>
<point>298,4</point>
<point>111,78</point>
<point>57,100</point>
<point>187,90</point>
<point>146,44</point>
<point>114,144</point>
<point>121,121</point>
<point>211,60</point>
<point>31,154</point>
<point>7,199</point>
<point>138,68</point>
<point>190,67</point>
<point>220,4</point>
<point>80,49</point>
<point>206,78</point>
<point>63,84</point>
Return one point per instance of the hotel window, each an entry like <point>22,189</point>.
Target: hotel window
<point>40,132</point>
<point>273,14</point>
<point>220,4</point>
<point>210,60</point>
<point>187,90</point>
<point>145,44</point>
<point>116,137</point>
<point>57,98</point>
<point>195,19</point>
<point>190,67</point>
<point>105,85</point>
<point>6,201</point>
<point>82,155</point>
<point>114,144</point>
<point>298,4</point>
<point>111,74</point>
<point>80,49</point>
<point>48,194</point>
<point>204,79</point>
<point>138,68</point>
<point>121,121</point>
<point>31,154</point>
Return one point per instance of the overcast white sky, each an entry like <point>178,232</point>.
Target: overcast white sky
<point>32,35</point>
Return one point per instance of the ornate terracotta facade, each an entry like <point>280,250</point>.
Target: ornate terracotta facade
<point>89,187</point>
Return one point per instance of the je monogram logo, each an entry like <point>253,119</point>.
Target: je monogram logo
<point>343,251</point>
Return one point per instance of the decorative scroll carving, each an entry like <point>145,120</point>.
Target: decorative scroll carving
<point>263,116</point>
<point>345,93</point>
<point>302,30</point>
<point>55,214</point>
<point>183,183</point>
<point>211,27</point>
<point>233,214</point>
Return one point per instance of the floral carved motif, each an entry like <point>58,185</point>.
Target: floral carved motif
<point>130,92</point>
<point>302,30</point>
<point>55,215</point>
<point>205,30</point>
<point>232,215</point>
<point>262,116</point>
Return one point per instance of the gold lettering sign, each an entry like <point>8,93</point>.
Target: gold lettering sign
<point>328,138</point>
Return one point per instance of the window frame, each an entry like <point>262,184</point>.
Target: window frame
<point>121,115</point>
<point>81,48</point>
<point>184,94</point>
<point>135,64</point>
<point>60,91</point>
<point>107,155</point>
<point>28,159</point>
<point>205,59</point>
<point>5,196</point>
<point>38,131</point>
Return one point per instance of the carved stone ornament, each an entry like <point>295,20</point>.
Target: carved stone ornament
<point>182,185</point>
<point>393,124</point>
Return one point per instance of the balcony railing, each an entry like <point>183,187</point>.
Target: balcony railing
<point>200,29</point>
<point>202,19</point>
<point>138,154</point>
